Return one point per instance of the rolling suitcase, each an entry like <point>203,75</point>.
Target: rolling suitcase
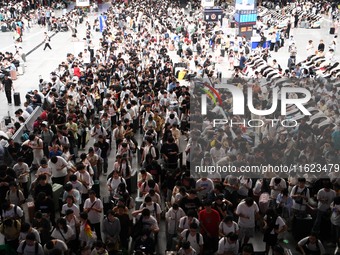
<point>17,101</point>
<point>13,74</point>
<point>332,31</point>
<point>3,28</point>
<point>31,210</point>
<point>302,226</point>
<point>8,119</point>
<point>96,188</point>
<point>222,52</point>
<point>57,193</point>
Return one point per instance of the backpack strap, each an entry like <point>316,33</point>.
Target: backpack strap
<point>23,247</point>
<point>36,249</point>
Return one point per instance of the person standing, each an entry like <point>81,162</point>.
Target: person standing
<point>8,87</point>
<point>93,206</point>
<point>47,40</point>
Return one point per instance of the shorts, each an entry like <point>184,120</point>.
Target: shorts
<point>246,232</point>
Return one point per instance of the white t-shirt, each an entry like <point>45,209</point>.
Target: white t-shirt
<point>277,187</point>
<point>225,246</point>
<point>21,169</point>
<point>61,235</point>
<point>312,247</point>
<point>23,235</point>
<point>193,240</point>
<point>225,229</point>
<point>279,222</point>
<point>94,216</point>
<point>30,250</point>
<point>184,222</point>
<point>152,208</point>
<point>249,212</point>
<point>59,169</point>
<point>325,199</point>
<point>74,208</point>
<point>14,212</point>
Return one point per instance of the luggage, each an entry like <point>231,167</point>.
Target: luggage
<point>3,28</point>
<point>264,201</point>
<point>332,31</point>
<point>222,52</point>
<point>57,193</point>
<point>302,226</point>
<point>276,48</point>
<point>17,101</point>
<point>21,70</point>
<point>13,74</point>
<point>31,210</point>
<point>7,119</point>
<point>96,188</point>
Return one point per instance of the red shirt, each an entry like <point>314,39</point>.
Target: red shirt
<point>210,221</point>
<point>76,72</point>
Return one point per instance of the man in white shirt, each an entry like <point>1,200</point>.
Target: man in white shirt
<point>247,211</point>
<point>85,179</point>
<point>55,244</point>
<point>325,197</point>
<point>59,168</point>
<point>277,184</point>
<point>94,208</point>
<point>172,217</point>
<point>30,246</point>
<point>192,236</point>
<point>300,195</point>
<point>311,245</point>
<point>228,245</point>
<point>98,130</point>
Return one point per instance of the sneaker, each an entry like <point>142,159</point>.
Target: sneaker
<point>9,104</point>
<point>104,174</point>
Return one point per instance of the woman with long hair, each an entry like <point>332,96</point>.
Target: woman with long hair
<point>124,170</point>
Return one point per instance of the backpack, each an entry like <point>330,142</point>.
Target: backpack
<point>304,192</point>
<point>197,236</point>
<point>247,50</point>
<point>15,209</point>
<point>36,249</point>
<point>137,229</point>
<point>156,151</point>
<point>7,194</point>
<point>25,136</point>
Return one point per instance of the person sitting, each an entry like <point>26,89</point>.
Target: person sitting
<point>311,245</point>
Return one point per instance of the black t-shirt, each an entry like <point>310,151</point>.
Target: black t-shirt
<point>104,146</point>
<point>167,148</point>
<point>4,189</point>
<point>190,204</point>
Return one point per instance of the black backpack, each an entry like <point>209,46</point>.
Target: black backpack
<point>36,250</point>
<point>197,236</point>
<point>246,49</point>
<point>156,151</point>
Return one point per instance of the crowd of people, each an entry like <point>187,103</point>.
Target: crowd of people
<point>125,98</point>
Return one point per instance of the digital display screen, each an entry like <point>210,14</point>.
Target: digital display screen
<point>246,16</point>
<point>245,5</point>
